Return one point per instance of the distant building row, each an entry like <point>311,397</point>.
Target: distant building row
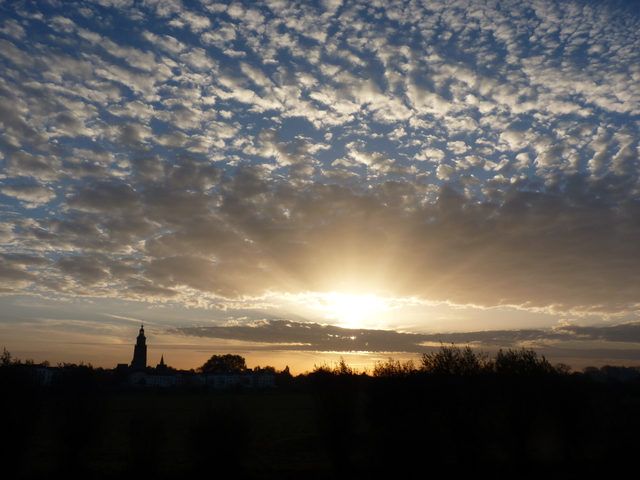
<point>220,381</point>
<point>138,375</point>
<point>164,376</point>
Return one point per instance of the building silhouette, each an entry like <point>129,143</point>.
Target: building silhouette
<point>138,374</point>
<point>139,361</point>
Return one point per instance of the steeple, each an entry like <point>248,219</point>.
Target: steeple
<point>161,368</point>
<point>140,351</point>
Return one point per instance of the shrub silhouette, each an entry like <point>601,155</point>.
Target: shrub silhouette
<point>19,414</point>
<point>524,362</point>
<point>393,368</point>
<point>452,360</point>
<point>336,389</point>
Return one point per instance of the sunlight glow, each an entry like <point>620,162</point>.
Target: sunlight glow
<point>351,310</point>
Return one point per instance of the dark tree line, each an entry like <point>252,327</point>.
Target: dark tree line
<point>454,360</point>
<point>461,412</point>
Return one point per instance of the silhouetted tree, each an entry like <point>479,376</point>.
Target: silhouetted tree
<point>19,414</point>
<point>452,360</point>
<point>284,379</point>
<point>562,368</point>
<point>339,368</point>
<point>7,360</point>
<point>223,363</point>
<point>526,385</point>
<point>393,368</point>
<point>336,388</point>
<point>521,362</point>
<point>265,369</point>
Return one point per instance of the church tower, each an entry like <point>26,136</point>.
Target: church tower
<point>140,351</point>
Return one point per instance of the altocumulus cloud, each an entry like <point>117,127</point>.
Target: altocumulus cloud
<point>203,152</point>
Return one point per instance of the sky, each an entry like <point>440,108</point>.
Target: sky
<point>298,181</point>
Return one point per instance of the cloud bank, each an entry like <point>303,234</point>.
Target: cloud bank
<point>313,337</point>
<point>202,152</point>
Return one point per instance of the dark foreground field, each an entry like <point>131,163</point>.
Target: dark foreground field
<point>164,435</point>
<point>329,426</point>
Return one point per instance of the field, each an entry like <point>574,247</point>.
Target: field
<point>254,435</point>
<point>327,426</point>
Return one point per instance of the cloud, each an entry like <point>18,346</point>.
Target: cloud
<point>197,23</point>
<point>453,154</point>
<point>17,270</point>
<point>298,152</point>
<point>164,8</point>
<point>32,194</point>
<point>313,337</point>
<point>41,167</point>
<point>166,42</point>
<point>288,335</point>
<point>105,198</point>
<point>13,29</point>
<point>541,250</point>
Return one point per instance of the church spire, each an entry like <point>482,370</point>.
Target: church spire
<point>161,368</point>
<point>140,351</point>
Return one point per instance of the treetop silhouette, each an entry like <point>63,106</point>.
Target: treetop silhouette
<point>223,364</point>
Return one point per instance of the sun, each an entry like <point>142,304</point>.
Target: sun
<point>352,310</point>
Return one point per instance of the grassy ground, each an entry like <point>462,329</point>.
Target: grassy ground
<point>256,435</point>
<point>334,427</point>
